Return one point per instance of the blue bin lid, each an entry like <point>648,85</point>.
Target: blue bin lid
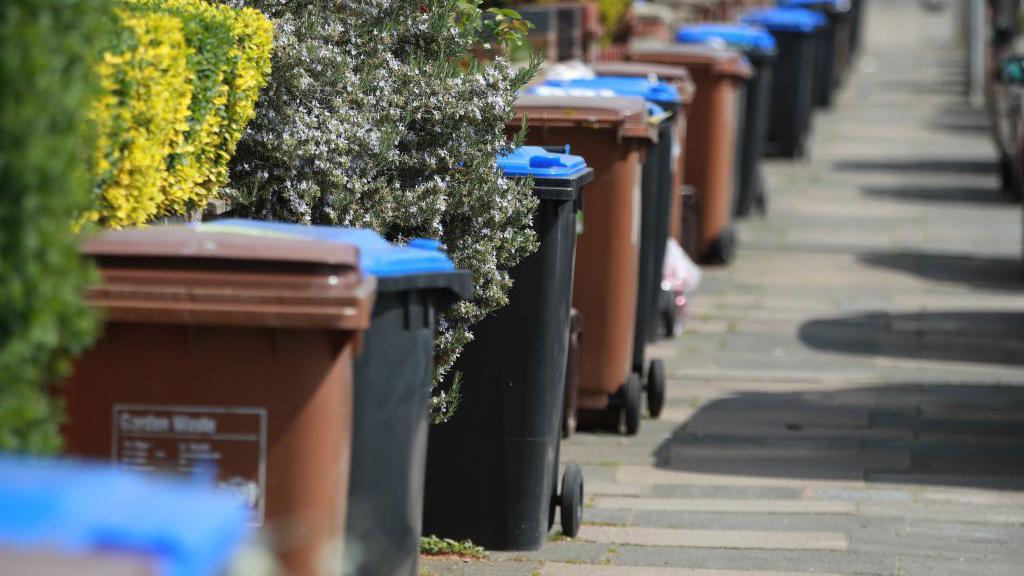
<point>741,36</point>
<point>656,91</point>
<point>376,255</point>
<point>653,110</point>
<point>187,529</point>
<point>839,5</point>
<point>785,19</point>
<point>538,162</point>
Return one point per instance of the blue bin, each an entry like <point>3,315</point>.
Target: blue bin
<point>72,508</point>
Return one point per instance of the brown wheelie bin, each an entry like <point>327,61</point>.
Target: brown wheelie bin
<point>679,77</point>
<point>711,135</point>
<point>613,135</point>
<point>228,354</point>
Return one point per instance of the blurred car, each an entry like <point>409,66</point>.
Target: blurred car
<point>1010,77</point>
<point>1003,19</point>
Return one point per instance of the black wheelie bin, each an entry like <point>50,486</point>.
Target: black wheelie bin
<point>792,96</point>
<point>492,469</point>
<point>833,49</point>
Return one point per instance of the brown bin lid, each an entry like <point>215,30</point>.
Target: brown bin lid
<point>627,115</point>
<point>676,75</point>
<point>182,275</point>
<point>718,61</point>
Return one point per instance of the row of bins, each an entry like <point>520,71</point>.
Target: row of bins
<point>296,361</point>
<point>267,351</point>
<point>673,117</point>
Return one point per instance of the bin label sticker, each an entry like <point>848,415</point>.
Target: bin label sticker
<point>677,146</point>
<point>230,443</point>
<point>637,203</point>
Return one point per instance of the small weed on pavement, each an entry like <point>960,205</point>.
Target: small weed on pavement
<point>434,546</point>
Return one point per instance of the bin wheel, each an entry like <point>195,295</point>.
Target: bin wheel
<point>761,198</point>
<point>668,323</point>
<point>800,150</point>
<point>1010,178</point>
<point>655,387</point>
<point>569,423</point>
<point>722,249</point>
<point>1005,173</point>
<point>571,501</point>
<point>761,204</point>
<point>632,405</point>
<point>572,374</point>
<point>551,509</point>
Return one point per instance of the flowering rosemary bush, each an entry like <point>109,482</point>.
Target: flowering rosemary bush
<point>375,117</point>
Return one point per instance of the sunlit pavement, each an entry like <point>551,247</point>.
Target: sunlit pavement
<point>849,396</point>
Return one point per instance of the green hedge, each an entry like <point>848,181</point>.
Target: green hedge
<point>45,175</point>
<point>179,83</point>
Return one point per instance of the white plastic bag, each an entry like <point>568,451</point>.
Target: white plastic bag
<point>570,70</point>
<point>679,283</point>
<point>680,269</point>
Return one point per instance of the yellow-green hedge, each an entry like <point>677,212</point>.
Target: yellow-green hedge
<point>179,83</point>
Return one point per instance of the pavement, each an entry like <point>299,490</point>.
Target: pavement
<point>848,398</point>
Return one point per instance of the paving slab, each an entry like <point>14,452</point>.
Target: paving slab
<point>728,492</point>
<point>459,567</point>
<point>616,489</point>
<point>749,506</point>
<point>647,475</point>
<point>748,539</point>
<point>559,569</point>
<point>947,512</point>
<point>755,521</point>
<point>573,551</point>
<point>811,562</point>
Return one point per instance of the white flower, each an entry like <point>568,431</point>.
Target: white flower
<point>364,128</point>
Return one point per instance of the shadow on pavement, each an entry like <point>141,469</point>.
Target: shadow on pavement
<point>962,126</point>
<point>961,336</point>
<point>951,193</point>
<point>937,165</point>
<point>979,272</point>
<point>938,434</point>
<point>959,116</point>
<point>950,86</point>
